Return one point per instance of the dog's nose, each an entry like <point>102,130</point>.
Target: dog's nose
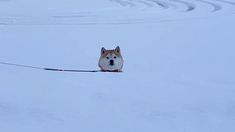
<point>111,62</point>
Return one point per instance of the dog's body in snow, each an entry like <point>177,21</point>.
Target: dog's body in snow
<point>111,60</point>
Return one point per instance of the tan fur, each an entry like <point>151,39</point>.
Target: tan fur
<point>111,55</point>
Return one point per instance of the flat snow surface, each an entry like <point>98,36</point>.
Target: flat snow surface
<point>178,76</point>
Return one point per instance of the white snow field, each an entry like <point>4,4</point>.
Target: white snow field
<point>178,76</point>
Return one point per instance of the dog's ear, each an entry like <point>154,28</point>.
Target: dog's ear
<point>117,49</point>
<point>103,50</point>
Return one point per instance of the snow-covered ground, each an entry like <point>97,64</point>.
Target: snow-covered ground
<point>179,73</point>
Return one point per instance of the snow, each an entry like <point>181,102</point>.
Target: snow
<point>178,73</point>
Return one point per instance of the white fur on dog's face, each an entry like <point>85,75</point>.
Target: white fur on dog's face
<point>111,60</point>
<point>106,65</point>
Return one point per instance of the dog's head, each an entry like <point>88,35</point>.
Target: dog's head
<point>111,60</point>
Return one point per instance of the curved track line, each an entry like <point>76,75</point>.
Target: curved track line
<point>123,3</point>
<point>145,3</point>
<point>190,6</point>
<point>227,2</point>
<point>161,4</point>
<point>215,6</point>
<point>98,18</point>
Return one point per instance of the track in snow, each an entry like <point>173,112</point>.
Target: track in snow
<point>166,4</point>
<point>128,12</point>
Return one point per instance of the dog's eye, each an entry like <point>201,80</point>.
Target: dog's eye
<point>107,57</point>
<point>115,57</point>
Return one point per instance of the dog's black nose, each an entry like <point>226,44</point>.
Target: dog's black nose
<point>111,62</point>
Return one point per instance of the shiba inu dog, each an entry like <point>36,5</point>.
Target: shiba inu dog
<point>111,60</point>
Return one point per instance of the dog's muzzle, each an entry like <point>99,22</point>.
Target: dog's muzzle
<point>111,62</point>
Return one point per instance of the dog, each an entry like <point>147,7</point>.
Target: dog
<point>111,60</point>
